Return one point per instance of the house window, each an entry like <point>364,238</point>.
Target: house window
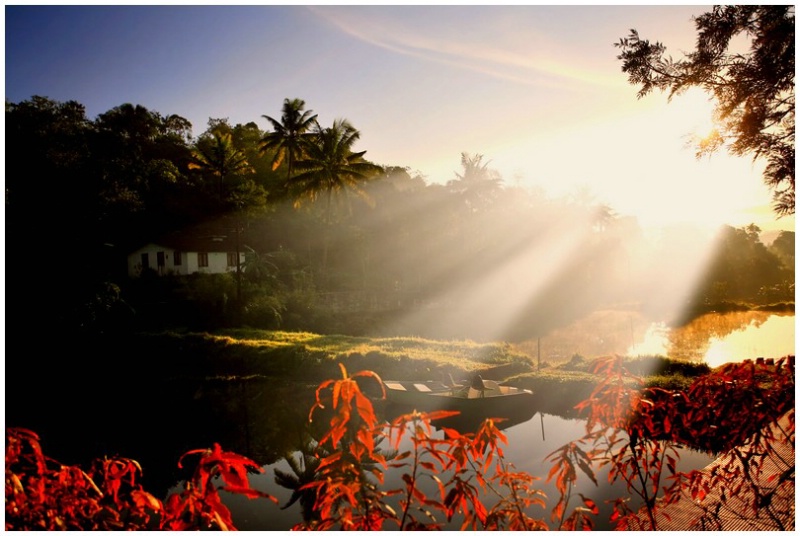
<point>176,258</point>
<point>160,259</point>
<point>202,260</point>
<point>145,261</point>
<point>232,259</point>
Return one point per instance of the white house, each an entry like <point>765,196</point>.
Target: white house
<point>214,254</point>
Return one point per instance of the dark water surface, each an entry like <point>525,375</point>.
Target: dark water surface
<point>263,419</point>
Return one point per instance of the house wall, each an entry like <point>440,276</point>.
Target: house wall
<point>217,262</point>
<point>135,265</point>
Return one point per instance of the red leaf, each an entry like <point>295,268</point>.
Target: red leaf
<point>142,499</point>
<point>558,511</point>
<point>590,504</point>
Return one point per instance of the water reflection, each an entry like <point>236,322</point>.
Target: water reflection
<point>730,337</point>
<point>465,423</point>
<point>156,422</point>
<point>714,338</point>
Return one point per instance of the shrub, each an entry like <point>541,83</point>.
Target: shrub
<point>42,494</point>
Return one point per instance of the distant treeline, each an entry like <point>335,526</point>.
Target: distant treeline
<point>335,243</point>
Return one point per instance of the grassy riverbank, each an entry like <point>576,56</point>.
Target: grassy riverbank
<point>312,358</point>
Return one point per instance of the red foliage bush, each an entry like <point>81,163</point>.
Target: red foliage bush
<point>42,494</point>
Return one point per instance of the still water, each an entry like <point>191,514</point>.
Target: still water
<point>722,338</point>
<point>712,338</point>
<point>529,443</point>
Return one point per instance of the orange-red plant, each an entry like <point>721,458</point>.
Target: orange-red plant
<point>199,504</point>
<point>349,493</point>
<point>347,497</point>
<point>747,412</point>
<point>42,494</point>
<point>743,410</point>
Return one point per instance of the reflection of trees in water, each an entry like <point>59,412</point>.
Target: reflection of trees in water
<point>618,331</point>
<point>258,418</point>
<point>156,421</point>
<point>304,463</point>
<point>692,341</point>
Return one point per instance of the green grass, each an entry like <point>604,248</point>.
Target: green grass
<point>313,358</point>
<point>244,352</point>
<point>337,346</point>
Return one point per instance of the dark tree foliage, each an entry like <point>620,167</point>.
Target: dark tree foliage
<point>331,167</point>
<point>78,192</point>
<point>89,192</point>
<point>783,248</point>
<point>753,89</point>
<point>50,202</point>
<point>744,269</point>
<point>478,185</point>
<point>221,159</point>
<point>139,162</point>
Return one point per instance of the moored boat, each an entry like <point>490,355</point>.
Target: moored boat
<point>480,399</point>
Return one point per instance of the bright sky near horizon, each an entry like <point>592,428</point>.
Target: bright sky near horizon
<point>536,89</point>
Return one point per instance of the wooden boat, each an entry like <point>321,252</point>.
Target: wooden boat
<point>479,399</point>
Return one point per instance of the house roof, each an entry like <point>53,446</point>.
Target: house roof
<point>210,237</point>
<point>199,242</point>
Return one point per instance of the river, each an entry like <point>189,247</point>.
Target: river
<point>715,338</point>
<point>529,443</point>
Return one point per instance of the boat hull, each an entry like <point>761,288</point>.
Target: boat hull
<point>496,402</point>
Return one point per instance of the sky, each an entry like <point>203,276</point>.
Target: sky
<point>537,90</point>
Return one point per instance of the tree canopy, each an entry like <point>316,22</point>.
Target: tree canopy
<point>220,158</point>
<point>331,167</point>
<point>753,85</point>
<point>92,191</point>
<point>291,134</point>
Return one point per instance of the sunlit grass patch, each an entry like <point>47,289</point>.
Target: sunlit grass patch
<point>337,346</point>
<point>675,382</point>
<point>262,336</point>
<point>310,356</point>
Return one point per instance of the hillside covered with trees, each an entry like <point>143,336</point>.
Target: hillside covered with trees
<point>335,242</point>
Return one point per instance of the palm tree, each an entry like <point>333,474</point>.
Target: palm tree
<point>220,158</point>
<point>478,185</point>
<point>290,135</point>
<point>331,169</point>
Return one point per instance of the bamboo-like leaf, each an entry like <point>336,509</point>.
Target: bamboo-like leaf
<point>587,470</point>
<point>249,492</point>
